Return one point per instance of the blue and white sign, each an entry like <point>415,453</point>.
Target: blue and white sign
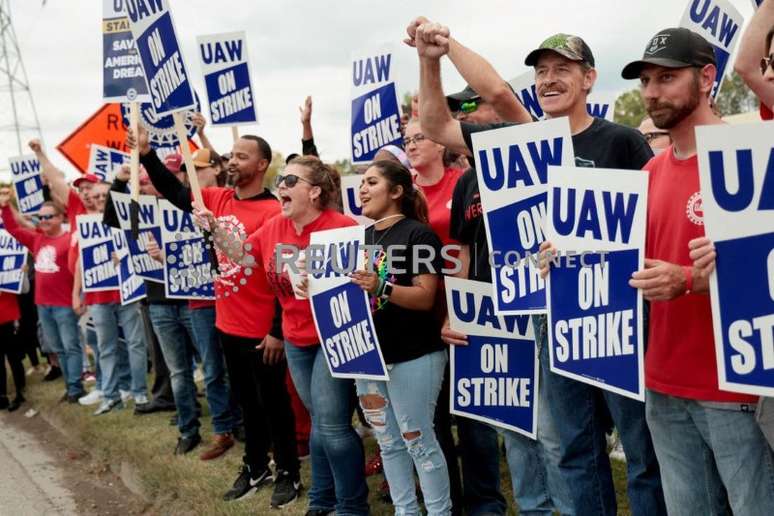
<point>150,229</point>
<point>601,105</point>
<point>493,378</point>
<point>597,105</point>
<point>375,118</point>
<point>756,3</point>
<point>736,170</point>
<point>122,77</point>
<point>226,70</point>
<point>95,241</point>
<point>25,174</point>
<point>161,129</point>
<point>718,22</point>
<point>13,256</point>
<point>596,221</point>
<point>132,286</point>
<point>105,161</point>
<point>350,198</point>
<point>512,168</point>
<point>342,313</point>
<point>169,83</point>
<point>187,269</point>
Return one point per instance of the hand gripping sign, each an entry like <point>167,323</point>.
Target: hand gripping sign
<point>512,165</point>
<point>131,286</point>
<point>596,221</point>
<point>149,228</point>
<point>187,270</point>
<point>25,174</point>
<point>375,113</point>
<point>736,170</point>
<point>342,313</point>
<point>105,161</point>
<point>718,22</point>
<point>226,70</point>
<point>350,199</point>
<point>13,256</point>
<point>122,77</point>
<point>95,241</point>
<point>493,378</point>
<point>168,80</point>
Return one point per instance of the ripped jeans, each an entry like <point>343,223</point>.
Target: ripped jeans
<point>400,411</point>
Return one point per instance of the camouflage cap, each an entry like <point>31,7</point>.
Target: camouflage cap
<point>567,45</point>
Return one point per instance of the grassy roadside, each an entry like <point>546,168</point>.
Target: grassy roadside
<point>187,485</point>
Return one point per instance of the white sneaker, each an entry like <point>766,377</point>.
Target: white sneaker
<point>106,406</point>
<point>125,395</point>
<point>141,399</point>
<point>30,371</point>
<point>617,453</point>
<point>198,375</point>
<point>91,398</point>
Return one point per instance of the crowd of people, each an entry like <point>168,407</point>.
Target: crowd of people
<point>691,448</point>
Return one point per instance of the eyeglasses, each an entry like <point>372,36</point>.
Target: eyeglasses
<point>649,137</point>
<point>414,139</point>
<point>767,62</point>
<point>470,106</point>
<point>46,217</point>
<point>290,180</point>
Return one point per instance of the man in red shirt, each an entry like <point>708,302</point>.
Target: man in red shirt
<point>53,284</point>
<point>704,438</point>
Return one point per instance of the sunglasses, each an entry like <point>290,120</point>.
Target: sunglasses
<point>414,139</point>
<point>470,106</point>
<point>46,217</point>
<point>649,137</point>
<point>290,180</point>
<point>767,62</point>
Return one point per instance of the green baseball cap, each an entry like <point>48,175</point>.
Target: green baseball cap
<point>566,45</point>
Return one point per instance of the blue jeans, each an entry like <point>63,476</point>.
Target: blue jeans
<point>581,413</point>
<point>171,323</point>
<point>216,387</point>
<point>401,411</point>
<point>60,328</point>
<point>703,449</point>
<point>480,456</point>
<point>338,465</point>
<point>114,352</point>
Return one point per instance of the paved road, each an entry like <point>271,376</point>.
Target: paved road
<point>30,479</point>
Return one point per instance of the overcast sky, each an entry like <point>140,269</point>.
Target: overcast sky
<point>300,48</point>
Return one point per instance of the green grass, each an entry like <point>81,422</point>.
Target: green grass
<point>187,485</point>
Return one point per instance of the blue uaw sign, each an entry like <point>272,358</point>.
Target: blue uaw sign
<point>161,129</point>
<point>169,83</point>
<point>131,286</point>
<point>150,230</point>
<point>350,199</point>
<point>375,119</point>
<point>122,76</point>
<point>342,314</point>
<point>25,174</point>
<point>512,168</point>
<point>187,269</point>
<point>718,22</point>
<point>226,70</point>
<point>95,241</point>
<point>492,378</point>
<point>596,221</point>
<point>736,170</point>
<point>13,256</point>
<point>105,161</point>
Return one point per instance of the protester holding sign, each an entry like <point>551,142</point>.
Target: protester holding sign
<point>12,349</point>
<point>403,291</point>
<point>754,60</point>
<point>53,285</point>
<point>689,417</point>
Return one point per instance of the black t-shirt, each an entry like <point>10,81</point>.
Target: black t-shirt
<point>405,334</point>
<point>603,144</point>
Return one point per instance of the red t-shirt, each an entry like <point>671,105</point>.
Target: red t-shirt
<point>297,323</point>
<point>680,360</point>
<point>244,303</point>
<point>75,207</point>
<point>53,279</point>
<point>9,310</point>
<point>439,200</point>
<point>196,304</point>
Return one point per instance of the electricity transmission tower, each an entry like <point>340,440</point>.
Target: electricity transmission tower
<point>18,118</point>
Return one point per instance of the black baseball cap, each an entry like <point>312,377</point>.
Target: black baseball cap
<point>455,100</point>
<point>673,48</point>
<point>567,45</point>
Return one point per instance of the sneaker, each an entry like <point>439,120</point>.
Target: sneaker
<point>16,403</point>
<point>198,375</point>
<point>247,484</point>
<point>52,374</point>
<point>617,453</point>
<point>91,398</point>
<point>29,372</point>
<point>221,443</point>
<point>73,398</point>
<point>286,489</point>
<point>140,399</point>
<point>106,406</point>
<point>186,444</point>
<point>126,396</point>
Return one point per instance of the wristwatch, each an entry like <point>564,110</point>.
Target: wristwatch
<point>386,291</point>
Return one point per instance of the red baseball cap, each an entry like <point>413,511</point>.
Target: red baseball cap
<point>86,178</point>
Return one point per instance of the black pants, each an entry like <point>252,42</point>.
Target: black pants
<point>28,327</point>
<point>10,349</point>
<point>261,392</point>
<point>161,390</point>
<point>443,432</point>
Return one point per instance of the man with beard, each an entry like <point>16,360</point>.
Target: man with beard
<point>705,438</point>
<point>564,76</point>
